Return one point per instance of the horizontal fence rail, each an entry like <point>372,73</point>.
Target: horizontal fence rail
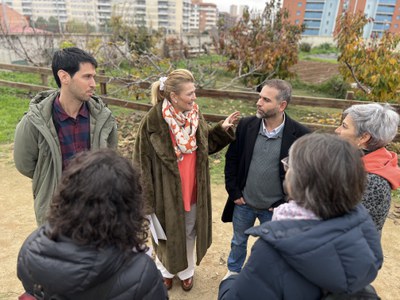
<point>216,94</point>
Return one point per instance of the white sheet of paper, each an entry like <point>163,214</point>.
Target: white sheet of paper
<point>156,229</point>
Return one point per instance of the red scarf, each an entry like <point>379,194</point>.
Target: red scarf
<point>183,127</point>
<point>383,163</point>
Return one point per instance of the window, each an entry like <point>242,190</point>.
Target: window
<point>299,4</point>
<point>381,26</point>
<point>388,2</point>
<point>297,22</point>
<point>314,6</point>
<point>396,25</point>
<point>313,15</point>
<point>311,32</point>
<point>298,13</point>
<point>383,18</point>
<point>385,9</point>
<point>312,24</point>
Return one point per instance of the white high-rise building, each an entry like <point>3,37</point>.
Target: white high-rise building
<point>174,16</point>
<point>171,15</point>
<point>93,12</point>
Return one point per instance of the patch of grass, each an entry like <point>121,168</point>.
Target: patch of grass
<point>315,115</point>
<point>303,90</point>
<point>307,56</point>
<point>13,106</point>
<point>324,48</point>
<point>120,111</point>
<point>25,78</point>
<point>20,77</point>
<point>217,165</point>
<point>335,87</point>
<point>226,106</point>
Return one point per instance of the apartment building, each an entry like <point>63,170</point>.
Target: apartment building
<point>237,10</point>
<point>174,16</point>
<point>203,16</point>
<point>320,16</point>
<point>94,12</point>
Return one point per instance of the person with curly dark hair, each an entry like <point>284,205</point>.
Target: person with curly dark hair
<point>93,243</point>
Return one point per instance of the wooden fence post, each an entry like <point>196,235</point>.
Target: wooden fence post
<point>103,85</point>
<point>349,95</point>
<point>45,80</point>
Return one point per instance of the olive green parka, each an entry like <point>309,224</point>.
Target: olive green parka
<point>37,152</point>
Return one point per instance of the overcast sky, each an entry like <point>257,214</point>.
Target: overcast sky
<point>224,5</point>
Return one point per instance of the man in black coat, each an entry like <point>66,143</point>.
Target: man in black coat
<point>253,172</point>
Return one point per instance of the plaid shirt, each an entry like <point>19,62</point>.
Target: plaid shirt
<point>73,134</point>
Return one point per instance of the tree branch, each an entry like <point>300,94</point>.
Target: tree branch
<point>364,88</point>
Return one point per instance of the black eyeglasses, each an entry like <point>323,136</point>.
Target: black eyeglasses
<point>285,163</point>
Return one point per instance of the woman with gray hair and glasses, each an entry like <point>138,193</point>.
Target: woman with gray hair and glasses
<point>323,240</point>
<point>371,127</point>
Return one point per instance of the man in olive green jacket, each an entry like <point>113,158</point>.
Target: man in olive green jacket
<point>38,149</point>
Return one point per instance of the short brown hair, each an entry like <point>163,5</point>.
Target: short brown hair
<point>99,202</point>
<point>283,87</point>
<point>326,174</point>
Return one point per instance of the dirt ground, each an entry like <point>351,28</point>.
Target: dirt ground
<point>17,221</point>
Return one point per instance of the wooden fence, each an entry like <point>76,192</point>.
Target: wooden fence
<point>216,94</point>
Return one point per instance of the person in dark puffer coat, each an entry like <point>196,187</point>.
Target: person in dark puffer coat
<point>93,245</point>
<point>323,240</point>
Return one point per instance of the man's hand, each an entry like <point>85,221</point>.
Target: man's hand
<point>240,201</point>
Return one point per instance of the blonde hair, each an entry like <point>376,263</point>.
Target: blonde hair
<point>171,84</point>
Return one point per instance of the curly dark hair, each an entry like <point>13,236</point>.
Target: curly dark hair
<point>99,202</point>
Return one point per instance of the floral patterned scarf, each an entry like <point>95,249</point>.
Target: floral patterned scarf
<point>183,127</point>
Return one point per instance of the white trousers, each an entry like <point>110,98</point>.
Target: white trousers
<point>190,222</point>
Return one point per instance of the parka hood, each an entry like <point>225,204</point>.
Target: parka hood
<point>36,103</point>
<point>341,255</point>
